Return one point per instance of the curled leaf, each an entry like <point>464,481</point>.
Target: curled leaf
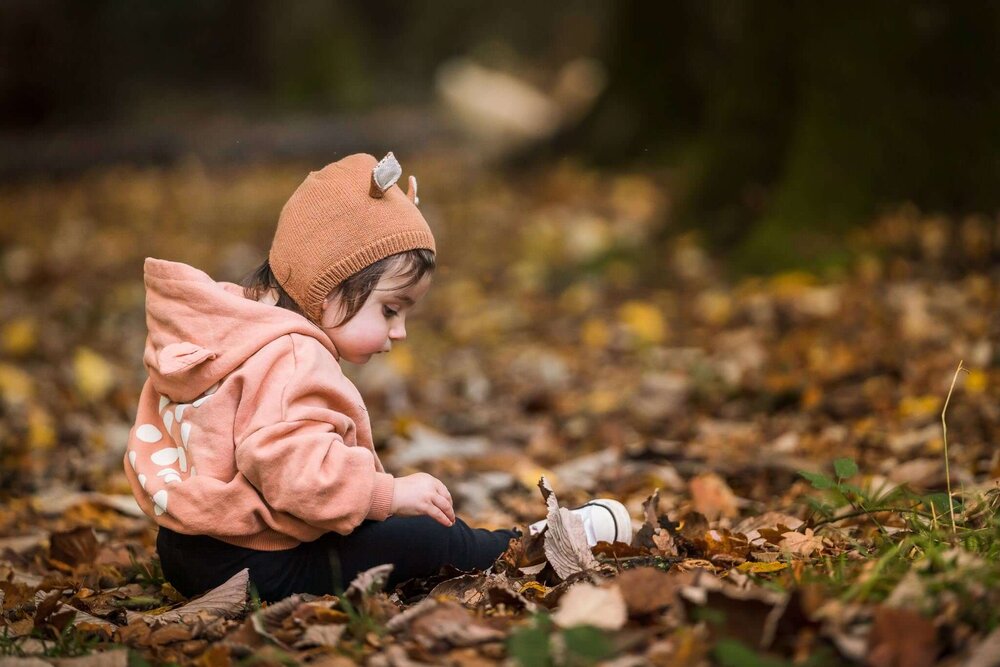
<point>227,601</point>
<point>566,546</point>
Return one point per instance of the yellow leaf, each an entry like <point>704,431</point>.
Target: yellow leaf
<point>920,406</point>
<point>534,586</point>
<point>41,429</point>
<point>94,376</point>
<point>644,321</point>
<point>975,383</point>
<point>603,401</point>
<point>16,386</point>
<point>714,306</point>
<point>19,336</point>
<point>792,282</point>
<point>595,334</point>
<point>759,568</point>
<point>528,475</point>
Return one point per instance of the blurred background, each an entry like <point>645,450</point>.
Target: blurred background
<point>773,116</point>
<point>743,227</point>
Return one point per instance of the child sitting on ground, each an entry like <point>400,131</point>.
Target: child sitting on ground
<point>251,449</point>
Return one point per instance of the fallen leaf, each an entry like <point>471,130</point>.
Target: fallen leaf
<point>80,617</point>
<point>761,568</point>
<point>228,600</point>
<point>370,581</point>
<point>321,635</point>
<point>170,633</point>
<point>711,496</point>
<point>16,386</point>
<point>586,604</point>
<point>566,544</point>
<point>19,336</point>
<point>644,322</point>
<point>95,377</point>
<point>802,544</point>
<point>985,654</point>
<point>113,658</point>
<point>901,637</point>
<point>74,547</point>
<point>646,590</point>
<point>269,621</point>
<point>451,624</point>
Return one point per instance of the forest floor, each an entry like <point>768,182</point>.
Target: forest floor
<point>778,440</point>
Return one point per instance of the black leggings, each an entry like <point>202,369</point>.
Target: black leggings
<point>416,546</point>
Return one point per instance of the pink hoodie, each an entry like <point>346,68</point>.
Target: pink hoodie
<point>247,429</point>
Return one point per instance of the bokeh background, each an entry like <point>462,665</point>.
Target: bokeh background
<point>726,235</point>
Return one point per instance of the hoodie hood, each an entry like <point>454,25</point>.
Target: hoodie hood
<point>201,330</point>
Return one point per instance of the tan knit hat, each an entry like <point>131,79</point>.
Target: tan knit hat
<point>344,217</point>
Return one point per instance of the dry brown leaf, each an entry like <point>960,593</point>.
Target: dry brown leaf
<point>170,633</point>
<point>802,544</point>
<point>767,520</point>
<point>269,621</point>
<point>114,658</point>
<point>74,547</point>
<point>80,615</point>
<point>228,600</point>
<point>450,624</point>
<point>22,544</point>
<point>321,635</point>
<point>468,590</point>
<point>586,604</point>
<point>369,581</point>
<point>646,590</point>
<point>566,544</point>
<point>712,497</point>
<point>902,637</point>
<point>985,655</point>
<point>400,621</point>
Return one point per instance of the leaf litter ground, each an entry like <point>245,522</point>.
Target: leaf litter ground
<point>778,441</point>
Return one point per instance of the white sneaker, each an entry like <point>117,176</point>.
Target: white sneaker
<point>604,520</point>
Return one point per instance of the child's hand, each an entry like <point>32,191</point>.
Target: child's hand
<point>419,494</point>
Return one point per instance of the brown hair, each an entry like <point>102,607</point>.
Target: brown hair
<point>355,290</point>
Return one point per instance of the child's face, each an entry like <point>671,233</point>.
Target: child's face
<point>379,322</point>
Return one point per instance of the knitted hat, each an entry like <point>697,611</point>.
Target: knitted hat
<point>344,217</point>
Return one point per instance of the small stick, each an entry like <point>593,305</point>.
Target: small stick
<point>944,433</point>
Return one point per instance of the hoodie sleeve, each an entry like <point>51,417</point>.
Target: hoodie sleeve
<point>297,444</point>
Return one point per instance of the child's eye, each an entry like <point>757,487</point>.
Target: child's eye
<point>389,312</point>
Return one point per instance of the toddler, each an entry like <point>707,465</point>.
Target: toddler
<point>251,449</point>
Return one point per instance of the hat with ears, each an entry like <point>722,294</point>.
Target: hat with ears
<point>342,218</point>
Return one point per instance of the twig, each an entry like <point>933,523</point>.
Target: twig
<point>944,434</point>
<point>864,512</point>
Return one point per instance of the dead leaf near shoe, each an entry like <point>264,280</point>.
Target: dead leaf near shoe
<point>566,546</point>
<point>522,552</point>
<point>657,533</point>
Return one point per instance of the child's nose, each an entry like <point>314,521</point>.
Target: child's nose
<point>398,331</point>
